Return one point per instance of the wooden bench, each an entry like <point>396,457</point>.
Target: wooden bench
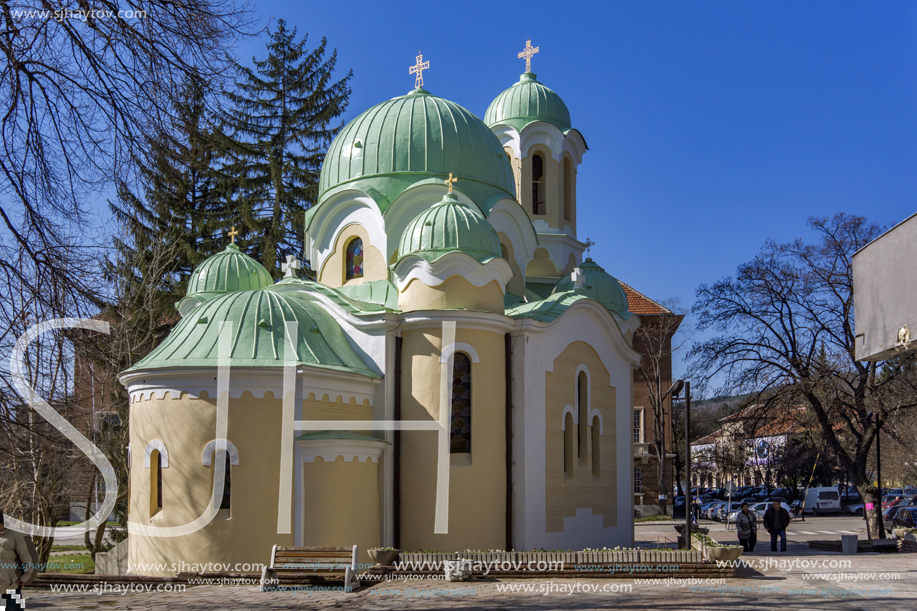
<point>308,562</point>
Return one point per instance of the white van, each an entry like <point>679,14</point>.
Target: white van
<point>822,500</point>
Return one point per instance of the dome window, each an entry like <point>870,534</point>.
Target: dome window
<point>354,263</point>
<point>538,186</point>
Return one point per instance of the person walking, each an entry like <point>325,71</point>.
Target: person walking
<point>747,526</point>
<point>17,567</point>
<point>776,519</point>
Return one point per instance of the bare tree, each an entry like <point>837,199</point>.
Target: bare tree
<point>654,340</point>
<point>786,329</point>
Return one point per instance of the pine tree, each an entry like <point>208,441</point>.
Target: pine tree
<point>274,140</point>
<point>183,204</point>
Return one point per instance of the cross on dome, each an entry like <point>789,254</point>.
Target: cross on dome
<point>527,53</point>
<point>418,69</point>
<point>288,268</point>
<point>232,235</point>
<point>589,244</point>
<point>449,181</point>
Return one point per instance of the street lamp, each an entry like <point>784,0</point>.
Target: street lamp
<point>675,390</point>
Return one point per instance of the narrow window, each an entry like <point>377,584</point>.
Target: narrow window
<point>568,444</point>
<point>582,393</point>
<point>155,482</point>
<point>568,189</point>
<point>596,446</point>
<point>354,265</point>
<point>538,187</point>
<point>638,426</point>
<point>638,480</point>
<point>460,437</point>
<point>227,484</point>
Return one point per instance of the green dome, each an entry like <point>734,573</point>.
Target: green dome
<point>450,226</point>
<point>259,337</point>
<point>526,102</point>
<point>599,285</point>
<point>413,138</point>
<point>230,270</point>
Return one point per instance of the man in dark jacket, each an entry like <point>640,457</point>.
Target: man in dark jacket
<point>17,567</point>
<point>776,519</point>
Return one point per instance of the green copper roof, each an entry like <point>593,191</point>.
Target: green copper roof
<point>410,139</point>
<point>599,285</point>
<point>259,336</point>
<point>379,292</point>
<point>450,226</point>
<point>526,102</point>
<point>230,270</point>
<point>545,310</point>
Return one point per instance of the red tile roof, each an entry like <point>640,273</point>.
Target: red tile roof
<point>638,303</point>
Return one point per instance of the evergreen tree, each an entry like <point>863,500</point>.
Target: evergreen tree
<point>274,140</point>
<point>183,204</point>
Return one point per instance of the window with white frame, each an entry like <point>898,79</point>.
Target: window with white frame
<point>638,481</point>
<point>638,425</point>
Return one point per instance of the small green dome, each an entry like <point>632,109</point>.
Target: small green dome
<point>413,138</point>
<point>259,336</point>
<point>526,102</point>
<point>599,285</point>
<point>230,270</point>
<point>450,226</point>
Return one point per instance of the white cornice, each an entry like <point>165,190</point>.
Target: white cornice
<point>414,267</point>
<point>434,319</point>
<point>329,449</point>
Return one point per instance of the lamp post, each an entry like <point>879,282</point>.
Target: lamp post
<point>675,390</point>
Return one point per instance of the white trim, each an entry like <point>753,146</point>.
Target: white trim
<point>568,409</point>
<point>508,217</point>
<point>508,137</point>
<point>329,449</point>
<point>459,347</point>
<point>575,144</point>
<point>414,267</point>
<point>546,134</point>
<point>409,204</point>
<point>230,448</point>
<point>334,216</point>
<point>156,444</point>
<point>465,319</point>
<point>595,413</point>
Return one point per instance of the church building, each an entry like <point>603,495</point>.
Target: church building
<point>457,376</point>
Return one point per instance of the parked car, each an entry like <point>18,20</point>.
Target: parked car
<point>759,509</point>
<point>824,499</point>
<point>892,491</point>
<point>855,509</point>
<point>706,507</point>
<point>905,517</point>
<point>889,514</point>
<point>726,509</point>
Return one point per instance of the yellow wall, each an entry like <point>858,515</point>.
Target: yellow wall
<point>342,504</point>
<point>185,426</point>
<point>477,492</point>
<point>374,267</point>
<point>455,293</point>
<point>541,265</point>
<point>565,494</point>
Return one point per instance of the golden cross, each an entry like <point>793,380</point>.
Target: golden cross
<point>233,234</point>
<point>527,54</point>
<point>418,69</point>
<point>450,180</point>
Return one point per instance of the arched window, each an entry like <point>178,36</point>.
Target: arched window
<point>227,484</point>
<point>569,452</point>
<point>354,264</point>
<point>155,482</point>
<point>460,434</point>
<point>568,189</point>
<point>538,186</point>
<point>582,409</point>
<point>596,446</point>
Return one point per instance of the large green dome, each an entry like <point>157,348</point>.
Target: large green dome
<point>526,102</point>
<point>450,226</point>
<point>598,285</point>
<point>414,138</point>
<point>259,335</point>
<point>229,270</point>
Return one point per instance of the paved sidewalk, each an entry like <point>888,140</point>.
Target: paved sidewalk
<point>773,585</point>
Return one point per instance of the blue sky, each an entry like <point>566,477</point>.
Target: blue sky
<point>712,126</point>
